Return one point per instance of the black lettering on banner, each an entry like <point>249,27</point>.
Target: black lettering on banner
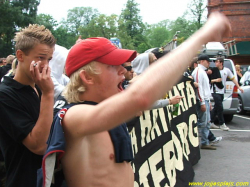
<point>166,146</point>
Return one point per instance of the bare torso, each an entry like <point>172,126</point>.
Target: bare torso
<point>90,162</point>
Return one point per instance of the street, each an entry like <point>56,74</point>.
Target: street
<point>230,162</point>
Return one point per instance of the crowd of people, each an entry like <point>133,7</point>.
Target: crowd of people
<point>98,147</point>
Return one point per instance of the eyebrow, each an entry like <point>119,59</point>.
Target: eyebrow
<point>43,54</point>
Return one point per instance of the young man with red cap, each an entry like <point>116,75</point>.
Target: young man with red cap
<point>98,149</point>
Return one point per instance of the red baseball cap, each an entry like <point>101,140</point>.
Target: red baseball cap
<point>96,49</point>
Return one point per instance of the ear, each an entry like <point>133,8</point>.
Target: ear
<point>20,55</point>
<point>86,77</point>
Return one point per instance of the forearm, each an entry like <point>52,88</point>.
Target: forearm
<point>216,80</point>
<point>236,83</point>
<point>160,104</point>
<point>37,138</point>
<point>165,73</point>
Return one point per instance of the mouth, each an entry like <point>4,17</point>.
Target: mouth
<point>120,86</point>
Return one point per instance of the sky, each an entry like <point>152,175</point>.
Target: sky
<point>151,11</point>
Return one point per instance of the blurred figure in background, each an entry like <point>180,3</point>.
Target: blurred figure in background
<point>239,74</point>
<point>4,69</point>
<point>57,65</point>
<point>246,76</point>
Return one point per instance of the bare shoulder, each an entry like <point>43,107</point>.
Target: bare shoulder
<point>77,118</point>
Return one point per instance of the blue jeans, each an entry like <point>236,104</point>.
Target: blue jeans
<point>218,108</point>
<point>203,122</point>
<point>211,136</point>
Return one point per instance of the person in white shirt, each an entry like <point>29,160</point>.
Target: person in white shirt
<point>203,105</point>
<point>245,77</point>
<point>218,94</point>
<point>57,65</point>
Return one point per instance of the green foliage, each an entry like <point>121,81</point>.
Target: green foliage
<point>88,22</point>
<point>186,28</point>
<point>47,20</point>
<point>100,26</point>
<point>142,48</point>
<point>158,36</point>
<point>62,34</point>
<point>130,23</point>
<point>64,37</point>
<point>7,29</point>
<point>14,14</point>
<point>80,17</point>
<point>196,8</point>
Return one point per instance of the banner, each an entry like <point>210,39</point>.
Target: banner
<point>166,146</point>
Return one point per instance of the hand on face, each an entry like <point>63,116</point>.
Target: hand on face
<point>41,76</point>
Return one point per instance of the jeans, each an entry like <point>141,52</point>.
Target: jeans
<point>203,122</point>
<point>218,108</point>
<point>211,136</point>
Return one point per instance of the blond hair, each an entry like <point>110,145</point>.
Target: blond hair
<point>75,86</point>
<point>14,66</point>
<point>10,59</point>
<point>32,35</point>
<point>151,57</point>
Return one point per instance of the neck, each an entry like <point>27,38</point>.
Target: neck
<point>203,65</point>
<point>23,79</point>
<point>88,96</point>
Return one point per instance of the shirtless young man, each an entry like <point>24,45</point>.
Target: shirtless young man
<point>90,158</point>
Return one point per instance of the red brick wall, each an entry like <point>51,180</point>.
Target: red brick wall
<point>242,60</point>
<point>238,13</point>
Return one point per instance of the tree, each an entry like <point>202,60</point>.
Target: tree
<point>158,34</point>
<point>80,17</point>
<point>186,28</point>
<point>14,15</point>
<point>131,26</point>
<point>47,20</point>
<point>64,37</point>
<point>102,26</point>
<point>197,9</point>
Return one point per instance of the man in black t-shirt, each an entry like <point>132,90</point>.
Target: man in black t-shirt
<point>26,107</point>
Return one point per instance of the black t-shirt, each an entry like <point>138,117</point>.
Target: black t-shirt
<point>19,111</point>
<point>4,70</point>
<point>239,79</point>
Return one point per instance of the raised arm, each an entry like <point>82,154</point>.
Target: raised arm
<point>159,78</point>
<point>37,138</point>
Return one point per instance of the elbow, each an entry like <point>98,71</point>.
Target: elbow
<point>143,103</point>
<point>35,145</point>
<point>39,150</point>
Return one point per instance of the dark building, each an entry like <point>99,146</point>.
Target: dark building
<point>238,13</point>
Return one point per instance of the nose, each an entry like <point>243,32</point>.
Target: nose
<point>44,62</point>
<point>122,70</point>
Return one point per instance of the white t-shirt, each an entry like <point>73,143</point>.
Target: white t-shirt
<point>225,72</point>
<point>203,90</point>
